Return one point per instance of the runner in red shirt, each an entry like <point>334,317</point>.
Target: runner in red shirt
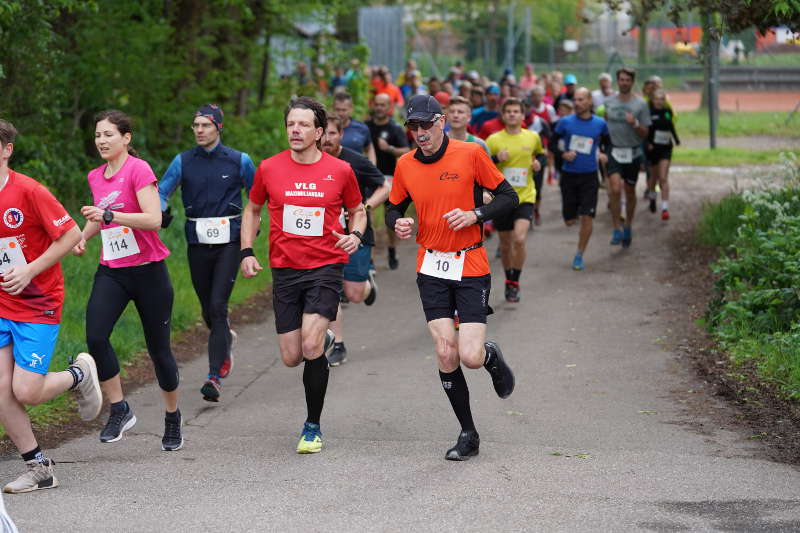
<point>444,178</point>
<point>305,190</point>
<point>35,233</point>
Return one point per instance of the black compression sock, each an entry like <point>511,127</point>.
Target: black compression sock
<point>315,381</point>
<point>455,386</point>
<point>515,273</point>
<point>509,274</point>
<point>35,453</point>
<point>392,252</point>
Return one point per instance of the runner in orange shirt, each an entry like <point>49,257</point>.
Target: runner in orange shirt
<point>444,178</point>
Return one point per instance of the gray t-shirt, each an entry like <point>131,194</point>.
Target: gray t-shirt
<point>622,133</point>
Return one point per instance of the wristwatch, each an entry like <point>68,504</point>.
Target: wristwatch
<point>367,207</point>
<point>358,234</point>
<point>479,213</point>
<point>108,216</point>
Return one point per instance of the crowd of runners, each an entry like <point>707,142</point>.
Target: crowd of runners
<point>471,155</point>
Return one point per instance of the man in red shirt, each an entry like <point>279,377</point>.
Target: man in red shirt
<point>305,190</point>
<point>444,178</point>
<point>35,233</point>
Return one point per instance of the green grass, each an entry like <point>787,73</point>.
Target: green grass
<point>725,157</point>
<point>127,339</point>
<point>719,221</point>
<point>774,60</point>
<point>739,124</point>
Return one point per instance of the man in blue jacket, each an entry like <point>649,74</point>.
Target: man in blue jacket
<point>211,176</point>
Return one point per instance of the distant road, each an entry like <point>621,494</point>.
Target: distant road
<point>739,100</point>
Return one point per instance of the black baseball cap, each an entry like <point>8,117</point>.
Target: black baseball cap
<point>423,108</point>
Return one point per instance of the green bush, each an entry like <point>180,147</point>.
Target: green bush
<point>755,314</point>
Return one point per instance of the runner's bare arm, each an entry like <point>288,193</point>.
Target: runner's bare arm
<point>251,216</point>
<point>371,153</point>
<point>89,230</point>
<point>148,219</point>
<point>18,277</point>
<point>380,195</point>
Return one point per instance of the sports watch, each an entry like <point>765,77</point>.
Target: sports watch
<point>108,216</point>
<point>358,234</point>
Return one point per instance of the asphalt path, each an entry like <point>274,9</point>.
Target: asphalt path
<point>598,435</point>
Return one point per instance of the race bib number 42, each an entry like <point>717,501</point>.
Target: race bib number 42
<point>444,265</point>
<point>10,254</point>
<point>516,176</point>
<point>118,242</point>
<point>213,230</point>
<point>622,155</point>
<point>305,221</point>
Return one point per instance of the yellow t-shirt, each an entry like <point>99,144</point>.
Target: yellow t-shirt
<point>518,168</point>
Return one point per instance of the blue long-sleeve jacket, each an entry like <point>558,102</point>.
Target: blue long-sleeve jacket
<point>211,185</point>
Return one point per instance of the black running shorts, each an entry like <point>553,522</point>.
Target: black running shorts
<point>506,223</point>
<point>578,194</point>
<point>658,153</point>
<point>441,298</point>
<point>629,172</point>
<point>296,292</point>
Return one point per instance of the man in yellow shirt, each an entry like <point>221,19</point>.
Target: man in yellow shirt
<point>514,151</point>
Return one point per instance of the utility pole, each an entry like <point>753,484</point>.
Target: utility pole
<point>510,37</point>
<point>711,61</point>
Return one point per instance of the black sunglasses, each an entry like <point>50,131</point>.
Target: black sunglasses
<point>414,125</point>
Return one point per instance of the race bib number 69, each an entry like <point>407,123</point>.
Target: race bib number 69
<point>305,221</point>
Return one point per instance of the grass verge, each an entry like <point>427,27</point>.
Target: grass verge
<point>739,124</point>
<point>725,157</point>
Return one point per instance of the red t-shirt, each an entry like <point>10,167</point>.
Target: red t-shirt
<point>309,198</point>
<point>32,216</point>
<point>493,126</point>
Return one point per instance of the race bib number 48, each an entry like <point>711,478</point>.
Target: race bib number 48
<point>118,242</point>
<point>213,230</point>
<point>10,254</point>
<point>517,177</point>
<point>581,144</point>
<point>305,221</point>
<point>444,265</point>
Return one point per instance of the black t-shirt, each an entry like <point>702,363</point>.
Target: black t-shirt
<point>392,133</point>
<point>369,178</point>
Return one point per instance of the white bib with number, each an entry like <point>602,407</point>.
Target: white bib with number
<point>213,230</point>
<point>662,137</point>
<point>622,155</point>
<point>343,219</point>
<point>580,144</point>
<point>518,177</point>
<point>306,221</point>
<point>444,265</point>
<point>118,242</point>
<point>10,254</point>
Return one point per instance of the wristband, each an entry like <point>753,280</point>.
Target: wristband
<point>246,252</point>
<point>358,234</point>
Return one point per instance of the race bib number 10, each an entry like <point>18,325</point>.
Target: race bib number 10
<point>305,221</point>
<point>10,254</point>
<point>444,265</point>
<point>213,230</point>
<point>516,176</point>
<point>118,242</point>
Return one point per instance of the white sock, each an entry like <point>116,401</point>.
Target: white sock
<point>664,205</point>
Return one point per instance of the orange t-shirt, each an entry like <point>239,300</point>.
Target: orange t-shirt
<point>438,188</point>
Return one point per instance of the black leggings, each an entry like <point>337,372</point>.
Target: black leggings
<point>538,178</point>
<point>214,268</point>
<point>151,291</point>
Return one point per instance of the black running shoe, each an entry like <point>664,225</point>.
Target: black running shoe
<point>466,446</point>
<point>211,389</point>
<point>652,204</point>
<point>393,263</point>
<point>172,440</point>
<point>512,291</point>
<point>502,376</point>
<point>119,422</point>
<point>338,355</point>
<point>373,289</point>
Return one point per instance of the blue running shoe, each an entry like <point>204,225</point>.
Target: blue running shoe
<point>627,237</point>
<point>616,237</point>
<point>310,439</point>
<point>577,263</point>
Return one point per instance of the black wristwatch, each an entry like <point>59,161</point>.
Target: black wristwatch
<point>478,213</point>
<point>358,234</point>
<point>108,216</point>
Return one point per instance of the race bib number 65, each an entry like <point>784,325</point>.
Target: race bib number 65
<point>306,221</point>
